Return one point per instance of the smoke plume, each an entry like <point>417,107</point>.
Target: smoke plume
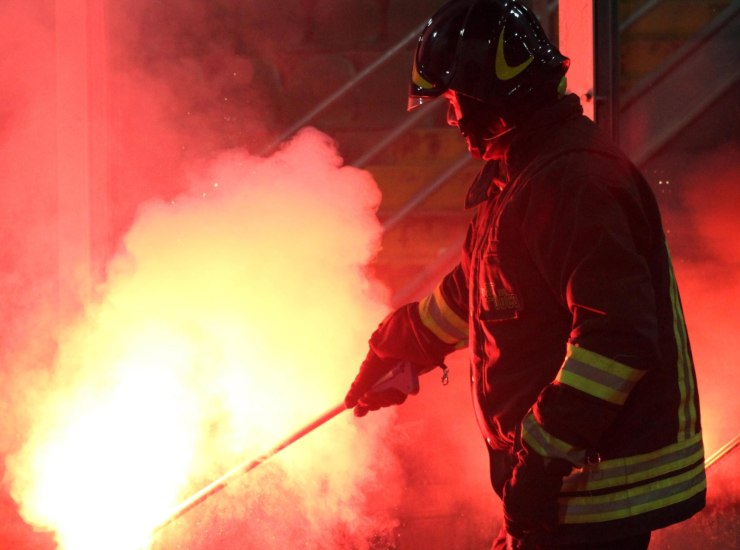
<point>229,306</point>
<point>228,303</point>
<point>708,274</point>
<point>237,313</point>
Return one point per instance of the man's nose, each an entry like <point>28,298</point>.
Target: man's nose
<point>452,116</point>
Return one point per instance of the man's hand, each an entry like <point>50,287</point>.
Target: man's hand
<point>531,495</point>
<point>360,398</point>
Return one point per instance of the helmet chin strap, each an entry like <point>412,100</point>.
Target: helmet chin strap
<point>482,133</point>
<point>483,130</point>
<point>496,136</point>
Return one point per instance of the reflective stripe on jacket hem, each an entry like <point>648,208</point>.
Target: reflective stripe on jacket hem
<point>633,501</point>
<point>620,472</point>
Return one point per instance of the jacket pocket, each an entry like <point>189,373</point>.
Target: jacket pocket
<point>499,299</point>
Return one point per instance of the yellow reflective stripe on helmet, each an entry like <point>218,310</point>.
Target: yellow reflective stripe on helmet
<point>439,318</point>
<point>634,469</point>
<point>633,501</point>
<point>547,445</point>
<point>504,71</point>
<point>687,389</point>
<point>419,80</point>
<point>598,375</point>
<point>562,86</point>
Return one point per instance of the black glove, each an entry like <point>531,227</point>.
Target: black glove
<point>373,368</point>
<point>531,495</point>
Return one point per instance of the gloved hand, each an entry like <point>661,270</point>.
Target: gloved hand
<point>373,368</point>
<point>531,495</point>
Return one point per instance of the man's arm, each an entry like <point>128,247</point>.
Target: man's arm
<point>582,235</point>
<point>421,333</point>
<point>586,247</point>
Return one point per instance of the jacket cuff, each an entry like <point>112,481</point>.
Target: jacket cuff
<point>402,335</point>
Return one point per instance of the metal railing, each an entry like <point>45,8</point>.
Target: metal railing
<point>638,14</point>
<point>722,452</point>
<point>345,88</point>
<point>688,63</point>
<point>658,141</point>
<point>415,118</point>
<point>395,133</point>
<point>409,122</point>
<point>723,19</point>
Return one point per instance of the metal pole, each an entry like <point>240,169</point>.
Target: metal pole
<point>72,41</point>
<point>403,377</point>
<point>606,66</point>
<point>722,452</point>
<point>576,40</point>
<point>246,466</point>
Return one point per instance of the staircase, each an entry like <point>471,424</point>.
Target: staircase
<point>678,60</point>
<point>420,146</point>
<point>680,84</point>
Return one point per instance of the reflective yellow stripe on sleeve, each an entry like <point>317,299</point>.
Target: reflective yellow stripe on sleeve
<point>546,444</point>
<point>439,318</point>
<point>598,375</point>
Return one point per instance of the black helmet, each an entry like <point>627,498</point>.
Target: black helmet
<point>494,51</point>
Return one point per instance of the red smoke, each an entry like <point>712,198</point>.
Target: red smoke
<point>238,312</point>
<point>708,275</point>
<point>231,306</point>
<point>236,309</point>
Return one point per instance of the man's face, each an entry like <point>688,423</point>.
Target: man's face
<point>478,124</point>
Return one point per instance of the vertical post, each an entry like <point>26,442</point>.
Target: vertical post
<point>101,240</point>
<point>576,41</point>
<point>606,66</point>
<point>73,152</point>
<point>80,142</point>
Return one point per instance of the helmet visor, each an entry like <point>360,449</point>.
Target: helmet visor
<point>416,101</point>
<point>434,60</point>
<point>421,90</point>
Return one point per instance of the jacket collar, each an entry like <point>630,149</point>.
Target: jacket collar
<point>489,182</point>
<point>538,133</point>
<point>532,138</point>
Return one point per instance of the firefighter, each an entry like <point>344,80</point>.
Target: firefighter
<point>582,375</point>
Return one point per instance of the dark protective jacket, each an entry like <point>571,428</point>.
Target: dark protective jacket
<point>566,298</point>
